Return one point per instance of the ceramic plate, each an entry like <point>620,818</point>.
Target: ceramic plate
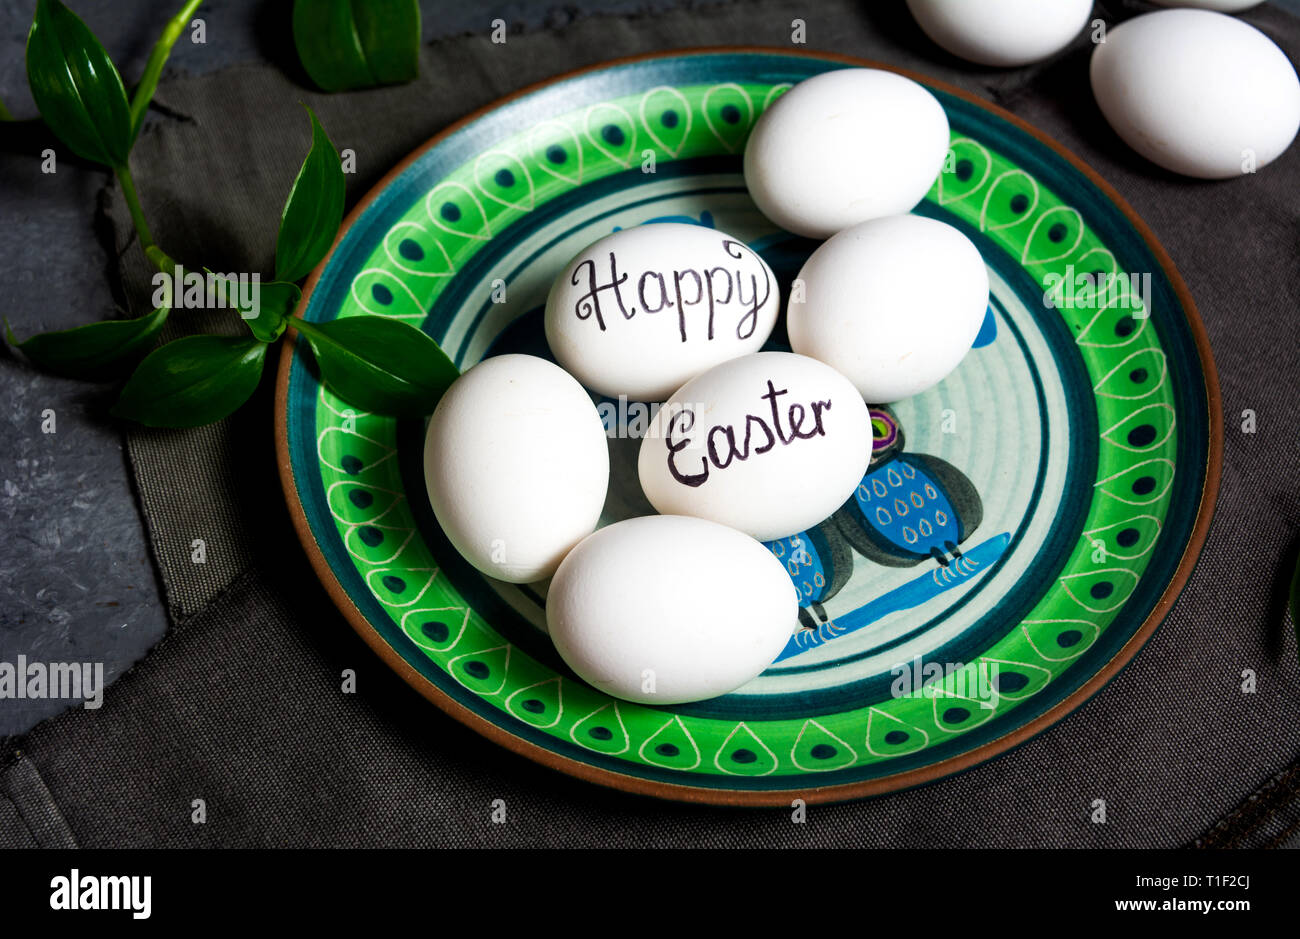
<point>1023,527</point>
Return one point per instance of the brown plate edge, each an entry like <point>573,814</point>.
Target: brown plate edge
<point>771,797</point>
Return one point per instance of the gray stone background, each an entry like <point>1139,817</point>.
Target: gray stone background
<point>76,579</point>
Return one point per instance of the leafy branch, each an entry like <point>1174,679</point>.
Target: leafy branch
<point>376,363</point>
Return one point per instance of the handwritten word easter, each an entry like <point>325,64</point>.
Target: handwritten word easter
<point>774,433</point>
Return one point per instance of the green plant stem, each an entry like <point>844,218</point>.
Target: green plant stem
<point>156,255</point>
<point>157,59</point>
<point>308,328</point>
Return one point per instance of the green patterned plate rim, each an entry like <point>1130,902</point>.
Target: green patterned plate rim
<point>1075,455</point>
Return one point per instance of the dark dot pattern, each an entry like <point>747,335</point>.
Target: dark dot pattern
<point>435,630</point>
<point>1142,436</point>
<point>1010,682</point>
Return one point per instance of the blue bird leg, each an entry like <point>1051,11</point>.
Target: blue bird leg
<point>908,595</point>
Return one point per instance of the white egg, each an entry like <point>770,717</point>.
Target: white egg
<point>1196,92</point>
<point>665,609</point>
<point>1001,33</point>
<point>894,304</point>
<point>770,444</point>
<point>843,147</point>
<point>645,309</point>
<point>1222,6</point>
<point>517,463</point>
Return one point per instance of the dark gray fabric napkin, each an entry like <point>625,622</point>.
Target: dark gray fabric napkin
<point>241,705</point>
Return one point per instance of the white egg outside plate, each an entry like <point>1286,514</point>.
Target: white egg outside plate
<point>1220,6</point>
<point>1199,93</point>
<point>1001,33</point>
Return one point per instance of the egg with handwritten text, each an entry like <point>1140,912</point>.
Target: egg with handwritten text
<point>664,609</point>
<point>770,444</point>
<point>517,464</point>
<point>645,309</point>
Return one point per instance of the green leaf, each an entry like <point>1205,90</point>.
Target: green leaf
<point>4,113</point>
<point>313,211</point>
<point>275,301</point>
<point>157,59</point>
<point>348,44</point>
<point>76,86</point>
<point>192,381</point>
<point>96,350</point>
<point>381,365</point>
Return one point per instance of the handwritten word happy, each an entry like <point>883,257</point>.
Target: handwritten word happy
<point>714,289</point>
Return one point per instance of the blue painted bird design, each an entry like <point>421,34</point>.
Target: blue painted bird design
<point>819,562</point>
<point>909,507</point>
